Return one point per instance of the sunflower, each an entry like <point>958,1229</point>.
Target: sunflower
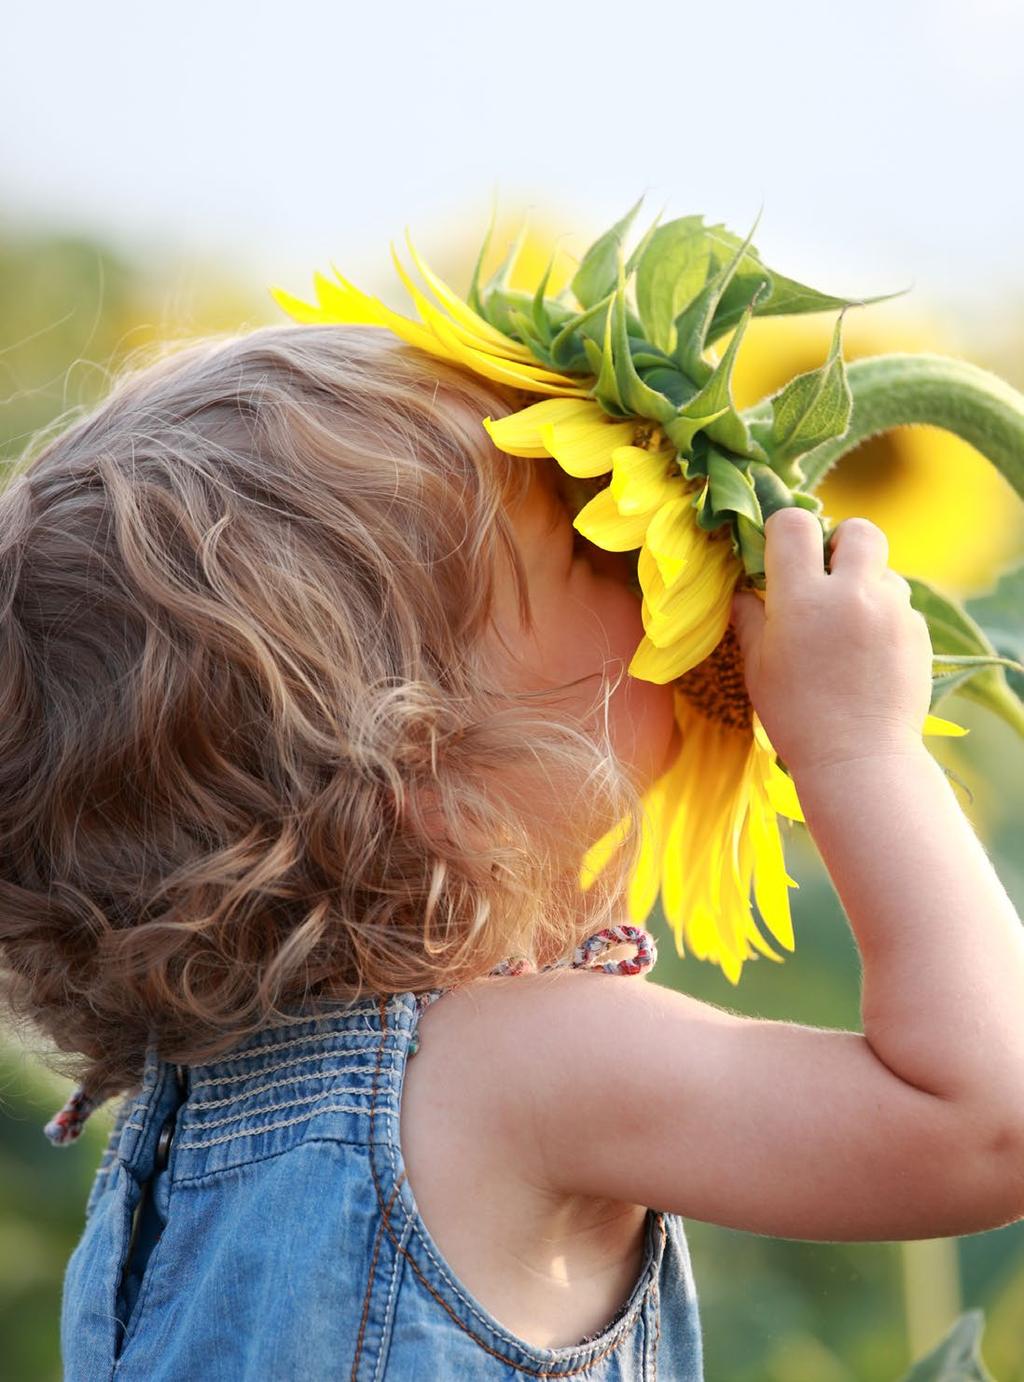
<point>638,410</point>
<point>711,835</point>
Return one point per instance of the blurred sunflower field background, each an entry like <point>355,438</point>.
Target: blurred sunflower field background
<point>72,309</point>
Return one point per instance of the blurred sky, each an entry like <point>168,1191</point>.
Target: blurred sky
<point>883,136</point>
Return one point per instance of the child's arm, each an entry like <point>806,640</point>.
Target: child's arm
<point>913,1129</point>
<point>941,944</point>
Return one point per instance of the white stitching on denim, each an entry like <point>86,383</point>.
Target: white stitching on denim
<point>281,1065</point>
<point>271,1127</point>
<point>203,1124</point>
<point>277,1084</point>
<point>396,1267</point>
<point>366,1007</point>
<point>279,1046</point>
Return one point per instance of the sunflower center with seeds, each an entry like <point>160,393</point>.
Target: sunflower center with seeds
<point>716,687</point>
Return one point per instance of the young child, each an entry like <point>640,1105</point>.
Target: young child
<point>312,702</point>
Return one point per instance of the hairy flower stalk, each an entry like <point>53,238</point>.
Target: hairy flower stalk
<point>636,409</point>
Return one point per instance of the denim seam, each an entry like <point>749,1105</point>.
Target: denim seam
<point>143,1103</point>
<point>328,1139</point>
<point>656,1306</point>
<point>203,1125</point>
<point>256,1052</point>
<point>270,1127</point>
<point>132,1327</point>
<point>389,1308</point>
<point>284,1065</point>
<point>378,1236</point>
<point>280,1084</point>
<point>102,1174</point>
<point>628,1321</point>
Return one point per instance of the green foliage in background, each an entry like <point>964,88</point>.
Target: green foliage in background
<point>773,1311</point>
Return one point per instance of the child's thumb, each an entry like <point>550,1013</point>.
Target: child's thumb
<point>747,618</point>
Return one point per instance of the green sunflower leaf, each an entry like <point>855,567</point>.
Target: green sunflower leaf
<point>540,311</point>
<point>1001,614</point>
<point>498,280</point>
<point>523,326</point>
<point>750,271</point>
<point>670,273</point>
<point>713,409</point>
<point>786,298</point>
<point>812,408</point>
<point>579,325</point>
<point>637,396</point>
<point>957,1357</point>
<point>598,271</point>
<point>693,322</point>
<point>473,297</point>
<point>751,545</point>
<point>731,488</point>
<point>641,249</point>
<point>708,517</point>
<point>645,356</point>
<point>953,632</point>
<point>502,303</point>
<point>771,492</point>
<point>670,381</point>
<point>695,465</point>
<point>602,362</point>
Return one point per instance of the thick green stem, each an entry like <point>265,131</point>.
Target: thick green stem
<point>894,390</point>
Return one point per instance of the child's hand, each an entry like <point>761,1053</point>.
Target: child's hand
<point>837,664</point>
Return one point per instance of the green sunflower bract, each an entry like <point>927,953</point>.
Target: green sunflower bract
<point>637,411</point>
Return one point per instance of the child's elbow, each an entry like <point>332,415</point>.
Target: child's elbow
<point>996,1187</point>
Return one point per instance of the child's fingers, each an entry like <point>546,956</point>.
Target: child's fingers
<point>858,548</point>
<point>793,555</point>
<point>747,619</point>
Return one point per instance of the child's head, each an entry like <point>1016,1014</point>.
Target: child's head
<point>262,737</point>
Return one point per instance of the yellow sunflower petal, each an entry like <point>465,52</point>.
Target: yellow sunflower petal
<point>297,309</point>
<point>601,523</point>
<point>507,372</point>
<point>762,947</point>
<point>760,736</point>
<point>707,605</point>
<point>600,852</point>
<point>674,538</point>
<point>641,480</point>
<point>782,794</point>
<point>583,447</point>
<point>347,304</point>
<point>646,880</point>
<point>445,327</point>
<point>935,724</point>
<point>350,305</point>
<point>464,315</point>
<point>770,878</point>
<point>519,433</point>
<point>651,662</point>
<point>731,965</point>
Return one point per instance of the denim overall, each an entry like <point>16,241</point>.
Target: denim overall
<point>277,1238</point>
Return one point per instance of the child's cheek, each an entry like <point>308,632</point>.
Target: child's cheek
<point>643,715</point>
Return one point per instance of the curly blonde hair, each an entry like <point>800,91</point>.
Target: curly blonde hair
<point>242,682</point>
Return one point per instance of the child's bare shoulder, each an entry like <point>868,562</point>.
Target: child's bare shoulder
<point>620,1088</point>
